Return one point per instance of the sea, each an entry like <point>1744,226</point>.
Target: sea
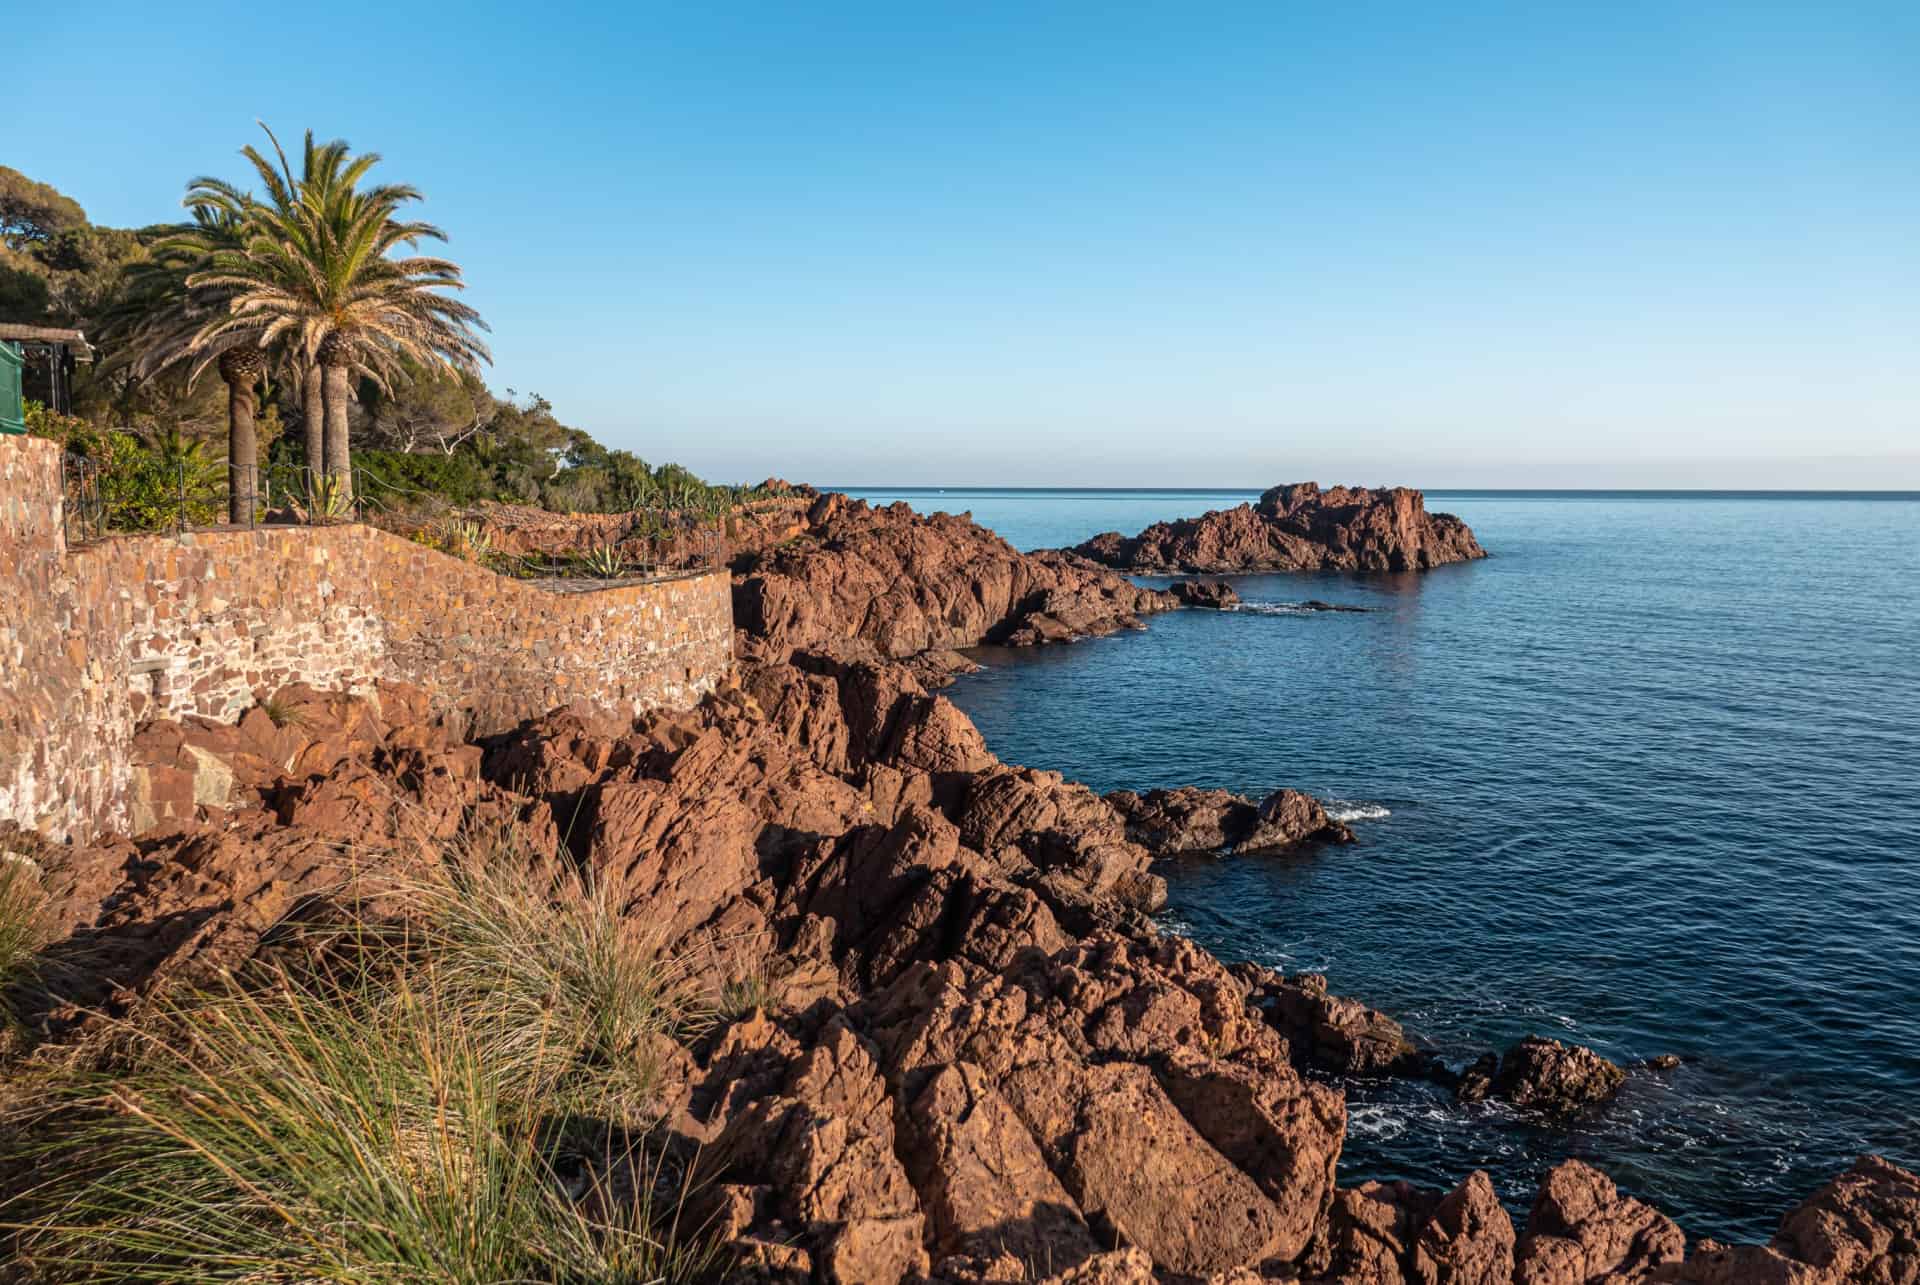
<point>1647,778</point>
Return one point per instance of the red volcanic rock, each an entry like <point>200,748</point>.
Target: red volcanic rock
<point>986,1185</point>
<point>1397,1234</point>
<point>1554,1078</point>
<point>1864,1226</point>
<point>976,1062</point>
<point>1711,1263</point>
<point>1582,1231</point>
<point>823,1145</point>
<point>1217,594</point>
<point>1217,1157</point>
<point>906,584</point>
<point>1021,815</point>
<point>1287,817</point>
<point>1330,1031</point>
<point>1369,1233</point>
<point>1298,528</point>
<point>1469,1239</point>
<point>1190,819</point>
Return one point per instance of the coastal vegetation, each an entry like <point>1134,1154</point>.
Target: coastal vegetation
<point>19,931</point>
<point>307,295</point>
<point>468,1094</point>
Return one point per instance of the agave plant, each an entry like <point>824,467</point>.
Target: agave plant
<point>604,562</point>
<point>465,538</point>
<point>332,498</point>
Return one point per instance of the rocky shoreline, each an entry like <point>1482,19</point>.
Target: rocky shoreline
<point>971,1055</point>
<point>1298,527</point>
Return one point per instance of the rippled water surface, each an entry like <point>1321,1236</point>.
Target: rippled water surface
<point>1648,778</point>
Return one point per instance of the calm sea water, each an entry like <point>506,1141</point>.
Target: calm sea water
<point>1648,778</point>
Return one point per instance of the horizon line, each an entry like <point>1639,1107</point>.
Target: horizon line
<point>1696,491</point>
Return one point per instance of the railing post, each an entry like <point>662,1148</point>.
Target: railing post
<point>253,496</point>
<point>183,498</point>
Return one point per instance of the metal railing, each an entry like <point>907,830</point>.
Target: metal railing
<point>178,496</point>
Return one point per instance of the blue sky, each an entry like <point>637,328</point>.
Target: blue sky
<point>1109,244</point>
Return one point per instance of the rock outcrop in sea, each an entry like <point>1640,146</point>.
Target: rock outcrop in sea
<point>914,586</point>
<point>1190,819</point>
<point>1297,528</point>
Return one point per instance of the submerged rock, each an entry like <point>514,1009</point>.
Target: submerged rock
<point>1298,528</point>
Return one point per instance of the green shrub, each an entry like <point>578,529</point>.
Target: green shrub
<point>142,486</point>
<point>399,478</point>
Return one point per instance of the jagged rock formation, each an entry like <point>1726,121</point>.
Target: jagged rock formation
<point>977,1056</point>
<point>1191,819</point>
<point>1583,1230</point>
<point>1544,1075</point>
<point>977,1059</point>
<point>1297,528</point>
<point>1217,594</point>
<point>1330,1031</point>
<point>908,584</point>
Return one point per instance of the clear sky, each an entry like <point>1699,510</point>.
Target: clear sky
<point>1526,243</point>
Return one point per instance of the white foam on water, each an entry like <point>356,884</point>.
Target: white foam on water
<point>1376,1120</point>
<point>1348,810</point>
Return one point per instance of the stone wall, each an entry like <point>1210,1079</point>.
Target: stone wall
<point>98,639</point>
<point>64,720</point>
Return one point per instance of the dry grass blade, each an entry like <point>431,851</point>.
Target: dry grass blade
<point>459,1105</point>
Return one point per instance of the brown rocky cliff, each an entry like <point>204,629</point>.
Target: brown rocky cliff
<point>907,583</point>
<point>1297,528</point>
<point>978,1059</point>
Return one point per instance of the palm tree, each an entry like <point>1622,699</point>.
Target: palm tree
<point>158,326</point>
<point>320,170</point>
<point>317,271</point>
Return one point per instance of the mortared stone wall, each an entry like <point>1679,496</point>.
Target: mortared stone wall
<point>100,638</point>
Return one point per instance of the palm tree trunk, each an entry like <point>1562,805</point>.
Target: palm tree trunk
<point>336,389</point>
<point>313,418</point>
<point>240,368</point>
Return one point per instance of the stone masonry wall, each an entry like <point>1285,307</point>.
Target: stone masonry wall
<point>96,640</point>
<point>64,720</point>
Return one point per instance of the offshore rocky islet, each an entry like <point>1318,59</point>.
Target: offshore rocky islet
<point>979,1054</point>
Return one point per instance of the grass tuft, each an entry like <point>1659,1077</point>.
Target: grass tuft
<point>20,926</point>
<point>460,1101</point>
<point>284,713</point>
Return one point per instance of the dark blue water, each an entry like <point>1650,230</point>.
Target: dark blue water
<point>1648,779</point>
